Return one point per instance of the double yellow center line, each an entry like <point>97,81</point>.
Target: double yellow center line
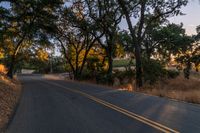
<point>132,115</point>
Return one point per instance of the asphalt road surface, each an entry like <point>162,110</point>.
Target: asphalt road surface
<point>57,106</point>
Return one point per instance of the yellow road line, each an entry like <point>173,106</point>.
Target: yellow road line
<point>121,110</point>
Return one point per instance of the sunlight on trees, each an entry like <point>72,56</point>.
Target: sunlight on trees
<point>89,37</point>
<point>1,54</point>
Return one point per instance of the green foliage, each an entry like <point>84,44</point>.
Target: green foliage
<point>26,23</point>
<point>119,51</point>
<point>121,75</point>
<point>172,74</point>
<point>123,63</point>
<point>174,38</point>
<point>94,70</point>
<point>93,63</point>
<point>59,65</point>
<point>102,78</point>
<point>153,70</point>
<point>147,15</point>
<point>166,40</point>
<point>86,75</point>
<point>126,41</point>
<point>190,57</point>
<point>88,32</point>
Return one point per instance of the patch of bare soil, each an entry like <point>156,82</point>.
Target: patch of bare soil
<point>9,95</point>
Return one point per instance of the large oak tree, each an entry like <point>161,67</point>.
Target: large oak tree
<point>145,13</point>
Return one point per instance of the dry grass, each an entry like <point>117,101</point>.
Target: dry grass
<point>179,89</point>
<point>3,69</point>
<point>9,95</point>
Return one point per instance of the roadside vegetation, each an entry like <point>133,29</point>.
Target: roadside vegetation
<point>179,88</point>
<point>123,63</point>
<point>10,91</point>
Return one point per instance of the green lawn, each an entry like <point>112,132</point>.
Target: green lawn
<point>122,63</point>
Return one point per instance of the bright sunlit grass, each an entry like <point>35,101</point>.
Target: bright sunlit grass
<point>3,69</point>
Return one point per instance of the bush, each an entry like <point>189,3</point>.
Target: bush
<point>101,77</point>
<point>153,70</point>
<point>86,75</point>
<point>172,74</point>
<point>124,74</point>
<point>123,77</point>
<point>92,63</point>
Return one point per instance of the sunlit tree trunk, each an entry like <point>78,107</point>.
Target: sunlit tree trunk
<point>13,59</point>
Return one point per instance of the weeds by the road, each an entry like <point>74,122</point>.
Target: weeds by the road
<point>9,94</point>
<point>179,88</point>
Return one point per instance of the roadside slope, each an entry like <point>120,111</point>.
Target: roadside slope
<point>9,94</point>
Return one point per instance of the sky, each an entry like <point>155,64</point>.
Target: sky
<point>190,20</point>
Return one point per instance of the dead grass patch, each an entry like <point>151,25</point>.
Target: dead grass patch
<point>9,95</point>
<point>3,69</point>
<point>179,89</point>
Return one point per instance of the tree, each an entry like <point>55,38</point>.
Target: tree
<point>198,29</point>
<point>74,35</point>
<point>146,13</point>
<point>191,56</point>
<point>106,16</point>
<point>164,41</point>
<point>27,20</point>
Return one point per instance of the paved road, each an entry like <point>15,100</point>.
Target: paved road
<point>56,106</point>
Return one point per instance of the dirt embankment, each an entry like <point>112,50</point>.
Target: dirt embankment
<point>10,91</point>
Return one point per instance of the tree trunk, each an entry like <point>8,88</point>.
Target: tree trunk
<point>11,67</point>
<point>110,68</point>
<point>76,75</point>
<point>13,59</point>
<point>66,57</point>
<point>148,52</point>
<point>137,45</point>
<point>84,60</point>
<point>138,66</point>
<point>196,67</point>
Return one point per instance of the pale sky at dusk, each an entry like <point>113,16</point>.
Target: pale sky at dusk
<point>190,21</point>
<point>192,18</point>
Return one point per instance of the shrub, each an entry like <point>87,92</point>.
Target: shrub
<point>153,70</point>
<point>101,77</point>
<point>123,77</point>
<point>124,74</point>
<point>92,63</point>
<point>86,75</point>
<point>172,74</point>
